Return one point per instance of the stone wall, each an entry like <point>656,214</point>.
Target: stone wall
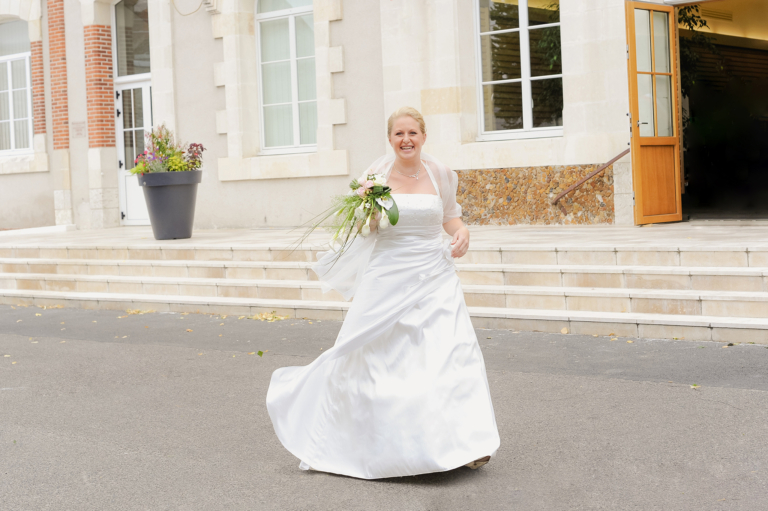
<point>523,195</point>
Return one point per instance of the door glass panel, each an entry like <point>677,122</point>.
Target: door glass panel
<point>503,106</point>
<point>308,122</point>
<point>664,105</point>
<point>661,41</point>
<point>499,15</point>
<point>275,43</point>
<point>277,82</point>
<point>643,39</point>
<point>138,109</point>
<point>130,155</point>
<point>306,71</point>
<point>645,104</point>
<point>547,99</point>
<point>278,125</point>
<point>501,56</point>
<point>545,51</point>
<point>132,37</point>
<point>541,12</point>
<point>127,109</point>
<point>139,142</point>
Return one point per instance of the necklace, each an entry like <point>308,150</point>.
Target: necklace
<point>416,175</point>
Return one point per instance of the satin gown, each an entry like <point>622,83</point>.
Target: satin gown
<point>404,389</point>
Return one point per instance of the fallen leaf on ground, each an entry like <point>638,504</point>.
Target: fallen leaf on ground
<point>62,323</point>
<point>125,336</point>
<point>252,353</point>
<point>615,339</point>
<point>62,342</point>
<point>199,353</point>
<point>19,321</point>
<point>137,311</point>
<point>224,317</point>
<point>146,327</point>
<point>189,329</point>
<point>233,356</point>
<point>221,324</point>
<point>34,342</point>
<point>219,335</point>
<point>564,331</point>
<point>269,317</point>
<point>594,335</point>
<point>630,342</point>
<point>260,353</point>
<point>7,356</point>
<point>13,362</point>
<point>95,321</point>
<point>241,317</point>
<point>38,314</point>
<point>121,317</point>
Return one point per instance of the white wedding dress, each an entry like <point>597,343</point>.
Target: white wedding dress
<point>404,389</point>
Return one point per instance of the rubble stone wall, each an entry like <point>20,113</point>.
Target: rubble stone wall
<point>523,195</point>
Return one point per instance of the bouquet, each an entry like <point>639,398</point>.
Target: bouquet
<point>368,205</point>
<point>164,154</point>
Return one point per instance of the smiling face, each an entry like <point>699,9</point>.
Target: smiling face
<point>406,138</point>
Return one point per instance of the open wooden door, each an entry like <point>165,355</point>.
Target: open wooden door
<point>654,112</point>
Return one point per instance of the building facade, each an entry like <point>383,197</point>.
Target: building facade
<point>290,98</point>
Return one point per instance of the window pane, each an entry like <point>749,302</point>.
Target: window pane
<point>645,104</point>
<point>661,41</point>
<point>127,109</point>
<point>278,125</point>
<point>305,36</point>
<point>5,136</point>
<point>306,70</point>
<point>308,122</point>
<point>18,74</point>
<point>276,80</point>
<point>499,15</point>
<point>279,5</point>
<point>139,138</point>
<point>275,43</point>
<point>541,12</point>
<point>5,108</point>
<point>643,39</point>
<point>21,134</point>
<point>501,56</point>
<point>547,99</point>
<point>132,36</point>
<point>20,104</point>
<point>3,76</point>
<point>503,106</point>
<point>138,109</point>
<point>545,51</point>
<point>664,105</point>
<point>14,38</point>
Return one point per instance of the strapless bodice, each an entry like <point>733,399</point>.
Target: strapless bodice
<point>418,210</point>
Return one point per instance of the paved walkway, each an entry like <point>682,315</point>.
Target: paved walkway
<point>104,410</point>
<point>682,235</point>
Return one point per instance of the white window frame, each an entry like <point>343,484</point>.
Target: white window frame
<point>527,131</point>
<point>291,14</point>
<point>6,61</point>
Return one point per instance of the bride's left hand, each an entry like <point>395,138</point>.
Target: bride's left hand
<point>460,243</point>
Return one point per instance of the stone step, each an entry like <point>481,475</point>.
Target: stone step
<point>752,279</point>
<point>707,328</point>
<point>551,254</point>
<point>654,301</point>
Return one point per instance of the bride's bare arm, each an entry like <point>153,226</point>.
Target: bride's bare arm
<point>460,243</point>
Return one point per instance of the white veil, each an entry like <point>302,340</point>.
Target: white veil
<point>345,272</point>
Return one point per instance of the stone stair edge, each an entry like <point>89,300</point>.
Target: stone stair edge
<point>46,297</point>
<point>565,291</point>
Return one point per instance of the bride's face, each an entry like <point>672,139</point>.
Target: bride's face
<point>406,138</point>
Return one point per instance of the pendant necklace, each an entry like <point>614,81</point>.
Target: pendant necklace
<point>416,175</point>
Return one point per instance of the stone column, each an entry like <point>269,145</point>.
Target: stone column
<point>99,79</point>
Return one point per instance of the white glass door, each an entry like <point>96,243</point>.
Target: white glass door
<point>133,108</point>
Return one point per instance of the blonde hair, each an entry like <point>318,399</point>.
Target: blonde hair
<point>406,111</point>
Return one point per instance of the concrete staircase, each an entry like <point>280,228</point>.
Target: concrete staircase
<point>694,293</point>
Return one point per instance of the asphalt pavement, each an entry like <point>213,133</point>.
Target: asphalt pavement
<point>118,410</point>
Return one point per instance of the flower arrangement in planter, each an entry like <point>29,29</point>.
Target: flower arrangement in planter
<point>169,173</point>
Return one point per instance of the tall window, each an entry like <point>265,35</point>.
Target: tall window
<point>132,37</point>
<point>520,67</point>
<point>288,92</point>
<point>15,88</point>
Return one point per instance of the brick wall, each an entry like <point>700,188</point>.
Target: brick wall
<point>99,86</point>
<point>38,87</point>
<point>58,56</point>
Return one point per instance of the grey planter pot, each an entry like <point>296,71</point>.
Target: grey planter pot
<point>170,200</point>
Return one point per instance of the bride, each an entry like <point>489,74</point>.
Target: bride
<point>403,391</point>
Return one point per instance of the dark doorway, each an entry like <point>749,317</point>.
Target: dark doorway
<point>726,137</point>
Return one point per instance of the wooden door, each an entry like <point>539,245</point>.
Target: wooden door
<point>654,113</point>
